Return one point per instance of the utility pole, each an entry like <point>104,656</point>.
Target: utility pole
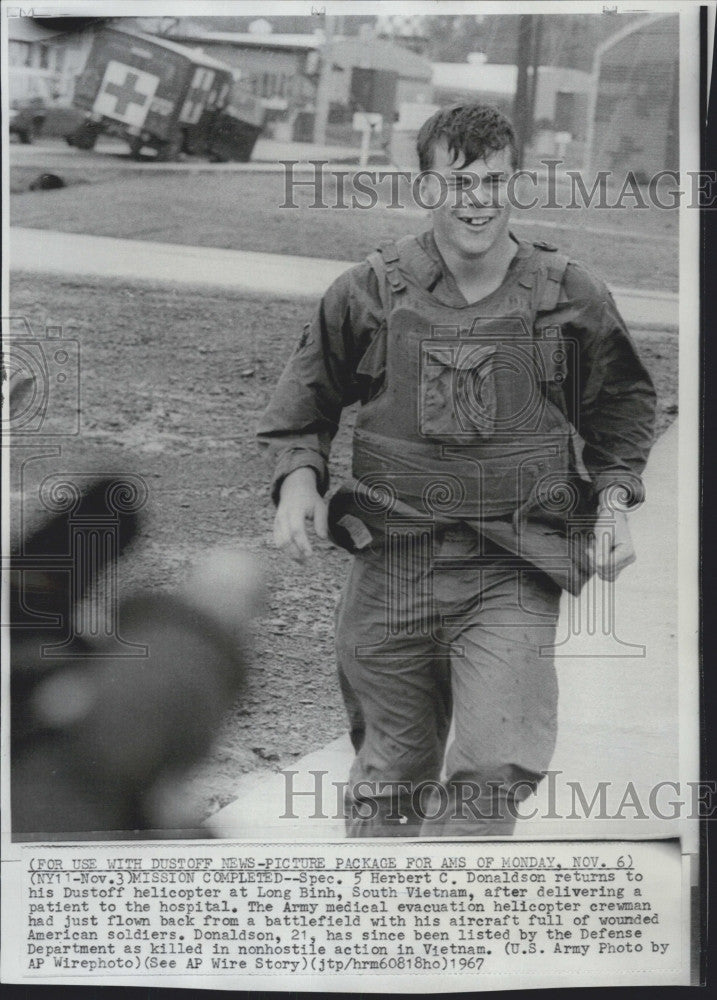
<point>323,91</point>
<point>521,104</point>
<point>535,62</point>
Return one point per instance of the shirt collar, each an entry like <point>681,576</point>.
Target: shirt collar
<point>429,265</point>
<point>429,268</point>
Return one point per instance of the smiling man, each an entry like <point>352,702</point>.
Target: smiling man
<point>504,421</point>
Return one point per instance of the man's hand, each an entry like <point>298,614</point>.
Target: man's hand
<point>299,501</point>
<point>612,549</point>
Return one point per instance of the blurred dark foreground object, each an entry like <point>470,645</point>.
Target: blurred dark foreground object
<point>46,182</point>
<point>100,740</point>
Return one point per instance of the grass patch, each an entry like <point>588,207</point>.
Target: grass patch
<point>242,211</point>
<point>22,176</point>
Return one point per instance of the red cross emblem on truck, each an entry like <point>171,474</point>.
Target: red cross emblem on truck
<point>198,97</point>
<point>126,93</point>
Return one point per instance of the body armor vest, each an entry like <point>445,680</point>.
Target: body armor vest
<point>470,416</point>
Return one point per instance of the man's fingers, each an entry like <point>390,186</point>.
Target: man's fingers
<point>300,540</point>
<point>610,566</point>
<point>622,556</point>
<point>610,550</point>
<point>289,546</point>
<point>290,526</point>
<point>294,552</point>
<point>281,531</point>
<point>290,534</point>
<point>321,519</point>
<point>296,542</point>
<point>283,538</point>
<point>606,571</point>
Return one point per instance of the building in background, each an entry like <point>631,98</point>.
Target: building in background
<point>633,121</point>
<point>606,90</point>
<point>283,69</point>
<point>562,99</point>
<point>279,68</point>
<point>415,75</point>
<point>44,63</point>
<point>410,31</point>
<point>562,94</point>
<point>44,60</point>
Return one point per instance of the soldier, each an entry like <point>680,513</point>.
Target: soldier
<point>502,402</point>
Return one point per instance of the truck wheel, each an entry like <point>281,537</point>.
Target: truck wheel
<point>33,130</point>
<point>135,148</point>
<point>85,136</point>
<point>85,141</point>
<point>169,151</point>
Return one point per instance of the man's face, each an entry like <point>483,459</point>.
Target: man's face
<point>472,213</point>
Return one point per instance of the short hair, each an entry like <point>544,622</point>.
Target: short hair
<point>473,130</point>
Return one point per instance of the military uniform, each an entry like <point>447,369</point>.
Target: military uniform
<point>484,434</point>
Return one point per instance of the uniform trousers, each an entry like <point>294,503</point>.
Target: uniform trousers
<point>438,627</point>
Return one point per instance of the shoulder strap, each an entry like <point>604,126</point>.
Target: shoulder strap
<point>553,272</point>
<point>550,273</point>
<point>377,264</point>
<point>384,262</point>
<point>395,263</point>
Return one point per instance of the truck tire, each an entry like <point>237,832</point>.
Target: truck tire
<point>170,150</point>
<point>135,147</point>
<point>85,136</point>
<point>85,142</point>
<point>33,130</point>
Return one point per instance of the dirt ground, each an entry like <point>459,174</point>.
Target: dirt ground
<point>628,248</point>
<point>173,381</point>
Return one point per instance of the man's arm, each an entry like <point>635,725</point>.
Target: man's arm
<point>612,550</point>
<point>298,426</point>
<point>615,415</point>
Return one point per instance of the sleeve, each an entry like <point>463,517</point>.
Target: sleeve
<point>301,420</point>
<point>614,410</point>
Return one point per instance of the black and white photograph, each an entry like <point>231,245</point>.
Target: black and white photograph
<point>350,465</point>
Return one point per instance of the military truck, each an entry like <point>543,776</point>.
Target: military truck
<point>164,98</point>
